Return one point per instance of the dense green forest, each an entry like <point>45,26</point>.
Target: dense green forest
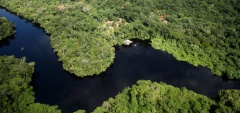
<point>145,96</point>
<point>152,97</point>
<point>16,94</point>
<point>83,32</point>
<point>6,28</point>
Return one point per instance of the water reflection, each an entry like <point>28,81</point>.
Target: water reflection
<point>6,41</point>
<point>54,86</point>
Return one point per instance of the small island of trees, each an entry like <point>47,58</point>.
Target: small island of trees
<point>6,28</point>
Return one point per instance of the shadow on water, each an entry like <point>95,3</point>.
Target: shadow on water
<point>6,41</point>
<point>139,61</point>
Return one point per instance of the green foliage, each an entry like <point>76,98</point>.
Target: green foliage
<point>229,101</point>
<point>207,35</point>
<point>84,60</point>
<point>6,28</point>
<point>148,97</point>
<point>80,111</point>
<point>42,108</point>
<point>83,32</point>
<point>75,33</point>
<point>203,32</point>
<point>152,97</point>
<point>15,92</point>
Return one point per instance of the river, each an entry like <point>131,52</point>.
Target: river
<point>139,61</point>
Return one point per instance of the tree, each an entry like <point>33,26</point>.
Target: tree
<point>16,93</point>
<point>6,28</point>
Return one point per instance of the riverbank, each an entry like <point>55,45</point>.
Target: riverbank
<point>66,87</point>
<point>17,95</point>
<point>85,33</point>
<point>147,96</point>
<point>6,28</point>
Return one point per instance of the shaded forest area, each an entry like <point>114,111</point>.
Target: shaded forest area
<point>16,94</point>
<point>83,33</point>
<point>152,97</point>
<point>6,28</point>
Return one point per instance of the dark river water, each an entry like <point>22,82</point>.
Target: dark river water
<point>54,86</point>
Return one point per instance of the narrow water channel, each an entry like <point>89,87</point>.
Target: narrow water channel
<point>54,86</point>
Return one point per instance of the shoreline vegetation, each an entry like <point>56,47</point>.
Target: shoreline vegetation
<point>6,28</point>
<point>17,95</point>
<point>83,33</point>
<point>145,96</point>
<point>151,97</point>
